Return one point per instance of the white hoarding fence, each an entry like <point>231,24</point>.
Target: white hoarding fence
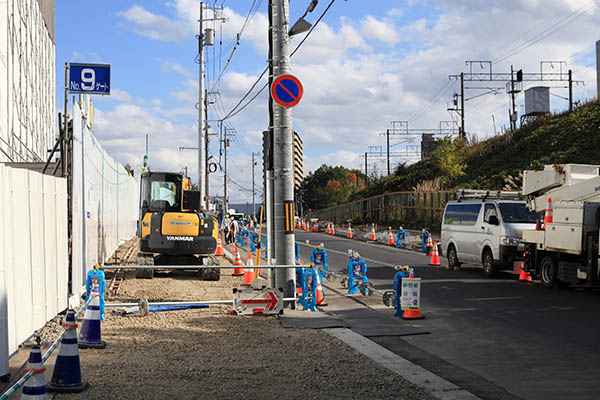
<point>33,254</point>
<point>105,199</point>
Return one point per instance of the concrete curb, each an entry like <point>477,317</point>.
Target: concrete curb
<point>433,384</point>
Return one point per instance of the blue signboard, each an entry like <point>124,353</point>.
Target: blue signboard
<point>89,78</point>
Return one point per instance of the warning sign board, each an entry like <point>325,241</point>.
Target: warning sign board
<point>266,301</point>
<point>410,298</point>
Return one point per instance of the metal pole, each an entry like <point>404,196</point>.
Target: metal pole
<point>513,122</point>
<point>253,191</point>
<point>269,207</point>
<point>63,156</point>
<point>570,90</point>
<point>225,171</point>
<point>598,69</point>
<point>206,143</point>
<point>387,134</point>
<point>462,105</point>
<point>201,142</point>
<point>282,151</point>
<point>366,166</point>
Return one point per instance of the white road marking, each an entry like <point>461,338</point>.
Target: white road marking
<point>494,298</point>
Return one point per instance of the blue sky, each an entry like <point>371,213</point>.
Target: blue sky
<point>366,64</point>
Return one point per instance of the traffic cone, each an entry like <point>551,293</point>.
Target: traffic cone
<point>390,237</point>
<point>315,227</point>
<point>548,214</point>
<point>524,276</point>
<point>249,274</point>
<point>333,228</point>
<point>66,377</point>
<point>237,261</point>
<point>219,251</point>
<point>429,245</point>
<point>412,314</point>
<point>320,302</point>
<point>90,335</point>
<point>327,229</point>
<point>435,257</point>
<point>372,235</point>
<point>349,234</point>
<point>35,387</point>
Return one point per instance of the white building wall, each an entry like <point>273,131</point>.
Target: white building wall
<point>27,81</point>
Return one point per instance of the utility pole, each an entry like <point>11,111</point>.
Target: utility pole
<point>201,139</point>
<point>387,134</point>
<point>462,105</point>
<point>206,142</point>
<point>283,185</point>
<point>366,166</point>
<point>253,190</point>
<point>513,122</point>
<point>570,90</point>
<point>225,145</point>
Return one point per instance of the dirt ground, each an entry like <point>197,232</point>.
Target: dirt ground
<point>210,354</point>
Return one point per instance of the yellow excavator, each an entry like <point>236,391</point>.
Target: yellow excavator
<point>172,228</point>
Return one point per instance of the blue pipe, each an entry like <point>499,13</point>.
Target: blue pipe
<point>172,308</point>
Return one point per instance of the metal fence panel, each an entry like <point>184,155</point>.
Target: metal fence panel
<point>33,254</point>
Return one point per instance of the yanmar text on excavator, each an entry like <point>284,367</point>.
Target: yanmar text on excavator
<point>172,228</point>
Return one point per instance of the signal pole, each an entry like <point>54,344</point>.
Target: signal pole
<point>283,185</point>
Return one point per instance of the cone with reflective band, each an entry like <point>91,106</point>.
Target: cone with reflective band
<point>249,274</point>
<point>435,257</point>
<point>390,237</point>
<point>333,228</point>
<point>372,235</point>
<point>237,261</point>
<point>66,376</point>
<point>548,214</point>
<point>327,231</point>
<point>90,335</point>
<point>219,251</point>
<point>320,301</point>
<point>524,276</point>
<point>35,387</point>
<point>349,234</point>
<point>429,244</point>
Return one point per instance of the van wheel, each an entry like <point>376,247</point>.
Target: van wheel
<point>452,257</point>
<point>488,263</point>
<point>548,271</point>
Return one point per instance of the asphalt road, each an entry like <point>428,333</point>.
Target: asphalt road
<point>496,337</point>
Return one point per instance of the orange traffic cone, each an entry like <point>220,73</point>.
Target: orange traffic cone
<point>524,276</point>
<point>349,234</point>
<point>333,228</point>
<point>315,227</point>
<point>390,237</point>
<point>435,257</point>
<point>237,261</point>
<point>249,274</point>
<point>429,244</point>
<point>548,215</point>
<point>412,314</point>
<point>320,295</point>
<point>219,251</point>
<point>372,235</point>
<point>328,229</point>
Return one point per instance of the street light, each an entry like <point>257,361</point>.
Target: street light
<point>303,25</point>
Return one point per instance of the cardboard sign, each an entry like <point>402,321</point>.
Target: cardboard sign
<point>410,298</point>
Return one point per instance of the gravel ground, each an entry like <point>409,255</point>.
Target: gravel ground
<point>209,354</point>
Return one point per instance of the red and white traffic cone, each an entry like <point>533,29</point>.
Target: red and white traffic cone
<point>429,245</point>
<point>249,274</point>
<point>435,257</point>
<point>372,236</point>
<point>548,217</point>
<point>349,234</point>
<point>390,237</point>
<point>219,251</point>
<point>237,262</point>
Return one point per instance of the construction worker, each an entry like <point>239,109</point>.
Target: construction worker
<point>403,273</point>
<point>357,270</point>
<point>319,258</point>
<point>96,276</point>
<point>401,238</point>
<point>424,236</point>
<point>254,241</point>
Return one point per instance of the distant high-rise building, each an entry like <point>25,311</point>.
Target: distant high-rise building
<point>428,144</point>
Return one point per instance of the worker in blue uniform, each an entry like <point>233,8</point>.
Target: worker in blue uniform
<point>96,276</point>
<point>403,273</point>
<point>319,259</point>
<point>254,241</point>
<point>357,271</point>
<point>424,236</point>
<point>401,238</point>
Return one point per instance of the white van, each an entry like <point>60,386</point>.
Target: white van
<point>485,231</point>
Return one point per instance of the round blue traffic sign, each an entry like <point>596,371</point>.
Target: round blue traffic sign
<point>286,90</point>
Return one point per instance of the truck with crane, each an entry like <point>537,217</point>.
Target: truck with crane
<point>565,251</point>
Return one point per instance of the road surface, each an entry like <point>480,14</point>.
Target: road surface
<point>496,337</point>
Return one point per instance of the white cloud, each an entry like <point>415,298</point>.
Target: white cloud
<point>382,30</point>
<point>154,26</point>
<point>170,66</point>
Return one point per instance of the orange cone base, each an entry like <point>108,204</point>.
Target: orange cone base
<point>238,271</point>
<point>390,242</point>
<point>524,276</point>
<point>248,278</point>
<point>412,314</point>
<point>349,236</point>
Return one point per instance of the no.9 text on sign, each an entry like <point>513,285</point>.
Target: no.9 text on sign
<point>286,90</point>
<point>89,78</point>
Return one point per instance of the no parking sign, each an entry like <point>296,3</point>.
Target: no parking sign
<point>286,90</point>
